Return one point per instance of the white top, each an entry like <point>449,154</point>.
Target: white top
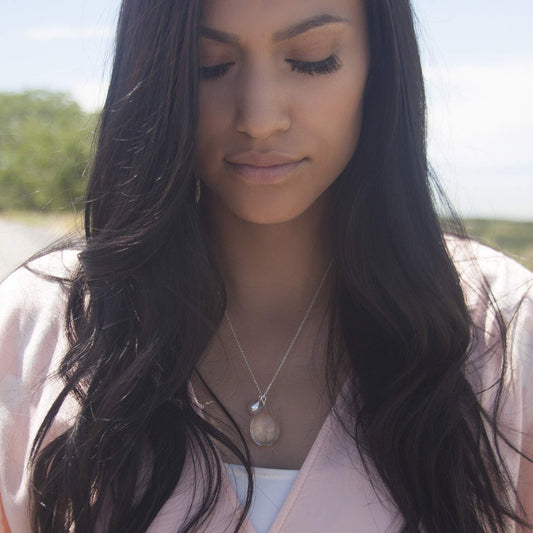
<point>271,488</point>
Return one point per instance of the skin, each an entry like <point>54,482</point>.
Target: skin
<point>271,240</point>
<point>262,104</point>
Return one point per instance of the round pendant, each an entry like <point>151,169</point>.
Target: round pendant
<point>264,429</point>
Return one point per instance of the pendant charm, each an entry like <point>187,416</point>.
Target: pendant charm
<point>264,429</point>
<point>255,407</point>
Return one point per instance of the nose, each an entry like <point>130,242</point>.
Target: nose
<point>261,103</point>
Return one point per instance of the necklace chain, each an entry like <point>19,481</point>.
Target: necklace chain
<point>263,395</point>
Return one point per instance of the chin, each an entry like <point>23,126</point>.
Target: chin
<point>264,207</point>
<point>270,213</point>
<point>266,217</point>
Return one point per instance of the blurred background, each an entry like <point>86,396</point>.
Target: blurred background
<point>478,63</point>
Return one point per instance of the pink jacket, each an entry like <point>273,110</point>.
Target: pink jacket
<point>332,491</point>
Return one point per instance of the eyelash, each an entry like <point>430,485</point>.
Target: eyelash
<point>326,66</point>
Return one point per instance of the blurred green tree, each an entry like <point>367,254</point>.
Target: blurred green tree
<point>45,145</point>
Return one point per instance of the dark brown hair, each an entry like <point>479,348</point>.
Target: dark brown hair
<point>148,296</point>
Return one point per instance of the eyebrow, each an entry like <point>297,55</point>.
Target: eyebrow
<point>282,35</point>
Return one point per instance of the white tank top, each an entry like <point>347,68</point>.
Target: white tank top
<point>271,488</point>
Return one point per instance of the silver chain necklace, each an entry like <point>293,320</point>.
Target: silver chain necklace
<point>264,428</point>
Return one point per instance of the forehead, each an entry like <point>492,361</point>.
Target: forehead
<point>263,19</point>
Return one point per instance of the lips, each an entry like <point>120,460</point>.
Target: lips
<point>264,175</point>
<point>266,168</point>
<point>261,159</point>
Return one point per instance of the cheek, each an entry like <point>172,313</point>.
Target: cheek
<point>333,113</point>
<point>215,103</point>
<point>210,111</point>
<point>212,123</point>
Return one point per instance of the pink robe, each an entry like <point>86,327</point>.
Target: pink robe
<point>332,491</point>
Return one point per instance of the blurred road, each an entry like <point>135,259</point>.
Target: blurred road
<point>18,241</point>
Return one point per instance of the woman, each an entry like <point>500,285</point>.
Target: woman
<point>265,282</point>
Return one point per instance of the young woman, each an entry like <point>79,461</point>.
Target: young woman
<point>264,328</point>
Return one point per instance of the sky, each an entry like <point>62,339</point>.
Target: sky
<point>478,64</point>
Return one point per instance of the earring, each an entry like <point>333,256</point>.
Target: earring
<point>198,190</point>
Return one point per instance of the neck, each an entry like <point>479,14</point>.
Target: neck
<point>271,271</point>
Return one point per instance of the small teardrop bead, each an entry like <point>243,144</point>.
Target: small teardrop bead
<point>255,407</point>
<point>264,429</point>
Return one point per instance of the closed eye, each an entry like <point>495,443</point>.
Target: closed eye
<point>326,66</point>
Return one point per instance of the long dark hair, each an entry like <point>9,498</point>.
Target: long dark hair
<point>148,297</point>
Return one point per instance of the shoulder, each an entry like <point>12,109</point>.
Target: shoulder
<point>488,274</point>
<point>32,343</point>
<point>38,274</point>
<point>32,304</point>
<point>499,295</point>
<point>36,289</point>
